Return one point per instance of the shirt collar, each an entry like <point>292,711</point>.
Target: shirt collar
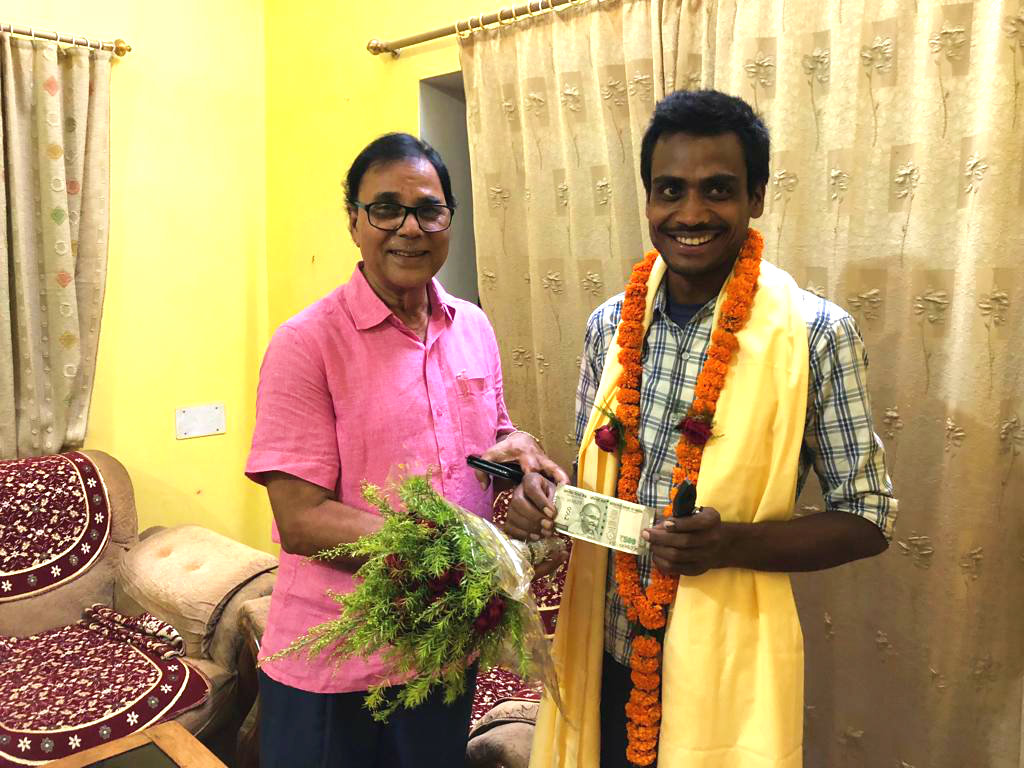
<point>368,311</point>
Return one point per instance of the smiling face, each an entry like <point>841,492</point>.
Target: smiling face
<point>404,260</point>
<point>699,210</point>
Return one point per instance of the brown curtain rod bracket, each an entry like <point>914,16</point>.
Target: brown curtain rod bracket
<point>119,46</point>
<point>504,17</point>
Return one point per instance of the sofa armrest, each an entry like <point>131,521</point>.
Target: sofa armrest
<point>234,627</point>
<point>252,622</point>
<point>124,521</point>
<point>503,736</point>
<point>187,575</point>
<point>253,618</point>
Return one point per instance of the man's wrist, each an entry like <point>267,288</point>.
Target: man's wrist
<point>732,537</point>
<point>522,432</point>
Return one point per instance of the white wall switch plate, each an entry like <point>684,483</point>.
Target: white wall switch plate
<point>200,421</point>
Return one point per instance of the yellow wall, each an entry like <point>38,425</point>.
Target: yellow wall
<point>326,99</point>
<point>184,320</point>
<point>233,123</point>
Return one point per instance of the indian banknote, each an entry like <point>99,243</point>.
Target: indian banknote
<point>601,519</point>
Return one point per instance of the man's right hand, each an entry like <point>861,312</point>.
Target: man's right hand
<point>531,513</point>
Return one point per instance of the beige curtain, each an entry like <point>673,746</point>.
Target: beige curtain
<point>897,191</point>
<point>54,210</point>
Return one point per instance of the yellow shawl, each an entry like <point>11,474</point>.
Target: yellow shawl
<point>732,690</point>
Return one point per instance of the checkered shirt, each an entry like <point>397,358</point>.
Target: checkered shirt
<point>839,440</point>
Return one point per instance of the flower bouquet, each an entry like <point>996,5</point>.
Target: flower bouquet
<point>440,587</point>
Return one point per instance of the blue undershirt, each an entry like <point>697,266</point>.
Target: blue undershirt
<point>681,314</point>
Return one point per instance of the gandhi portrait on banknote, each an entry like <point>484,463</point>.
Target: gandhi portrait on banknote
<point>592,520</point>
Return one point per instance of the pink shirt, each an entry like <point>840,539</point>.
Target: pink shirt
<point>346,393</point>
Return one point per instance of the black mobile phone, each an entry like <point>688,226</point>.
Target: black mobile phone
<point>686,500</point>
<point>507,470</point>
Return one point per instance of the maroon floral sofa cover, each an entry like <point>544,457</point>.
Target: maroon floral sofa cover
<point>82,660</point>
<point>101,678</point>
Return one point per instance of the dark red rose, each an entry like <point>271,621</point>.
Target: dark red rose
<point>495,609</point>
<point>696,431</point>
<point>439,584</point>
<point>607,438</point>
<point>491,615</point>
<point>455,575</point>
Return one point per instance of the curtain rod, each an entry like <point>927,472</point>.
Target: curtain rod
<point>504,17</point>
<point>119,46</point>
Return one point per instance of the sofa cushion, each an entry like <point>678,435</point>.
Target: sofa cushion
<point>63,531</point>
<point>83,685</point>
<point>186,575</point>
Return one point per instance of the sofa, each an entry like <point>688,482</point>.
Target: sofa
<point>76,578</point>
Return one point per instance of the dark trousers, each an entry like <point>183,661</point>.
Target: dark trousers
<point>615,687</point>
<point>299,729</point>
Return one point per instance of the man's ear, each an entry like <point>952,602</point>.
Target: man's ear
<point>757,202</point>
<point>353,217</point>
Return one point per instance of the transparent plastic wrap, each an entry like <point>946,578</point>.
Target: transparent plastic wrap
<point>513,571</point>
<point>440,587</point>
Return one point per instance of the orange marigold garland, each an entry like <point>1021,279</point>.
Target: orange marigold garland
<point>647,609</point>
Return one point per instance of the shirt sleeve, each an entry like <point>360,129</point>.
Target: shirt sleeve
<point>595,347</point>
<point>296,431</point>
<point>847,456</point>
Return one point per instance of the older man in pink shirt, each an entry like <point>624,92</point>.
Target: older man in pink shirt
<point>387,370</point>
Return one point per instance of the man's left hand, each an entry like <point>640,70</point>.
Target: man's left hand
<point>687,546</point>
<point>521,447</point>
<point>550,565</point>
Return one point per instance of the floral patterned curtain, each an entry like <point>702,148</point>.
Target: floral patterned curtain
<point>897,191</point>
<point>54,211</point>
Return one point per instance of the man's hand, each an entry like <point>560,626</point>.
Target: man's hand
<point>531,513</point>
<point>687,546</point>
<point>520,447</point>
<point>549,566</point>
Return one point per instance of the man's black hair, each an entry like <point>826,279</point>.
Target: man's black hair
<point>709,113</point>
<point>390,148</point>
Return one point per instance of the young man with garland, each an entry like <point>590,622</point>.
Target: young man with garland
<point>715,364</point>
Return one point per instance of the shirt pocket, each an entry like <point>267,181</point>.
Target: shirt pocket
<point>478,411</point>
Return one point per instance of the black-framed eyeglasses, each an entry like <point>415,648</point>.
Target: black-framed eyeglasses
<point>432,217</point>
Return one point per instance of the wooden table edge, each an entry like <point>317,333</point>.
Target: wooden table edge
<point>168,737</point>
